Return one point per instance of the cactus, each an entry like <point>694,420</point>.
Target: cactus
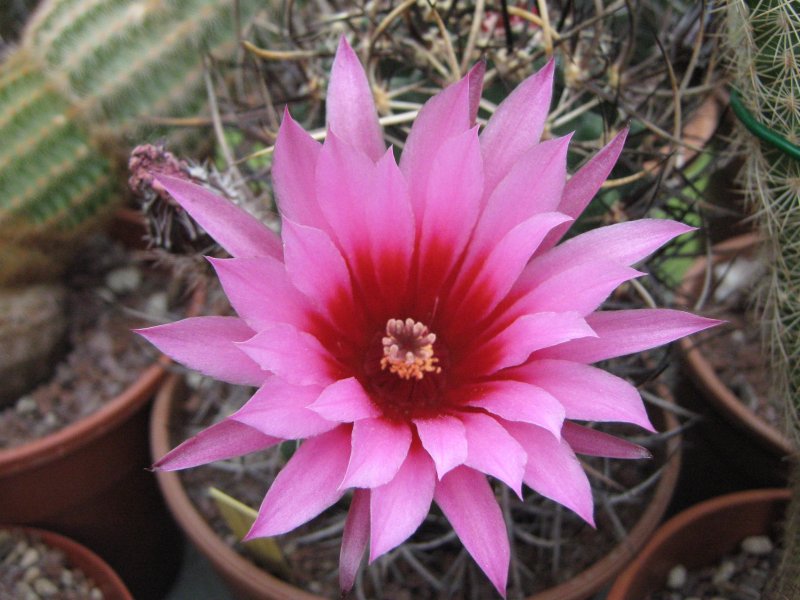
<point>76,93</point>
<point>764,51</point>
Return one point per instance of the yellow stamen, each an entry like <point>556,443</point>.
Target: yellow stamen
<point>408,349</point>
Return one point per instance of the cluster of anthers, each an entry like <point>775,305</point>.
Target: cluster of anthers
<point>408,349</point>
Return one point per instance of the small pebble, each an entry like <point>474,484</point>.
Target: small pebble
<point>25,405</point>
<point>677,577</point>
<point>45,587</point>
<point>757,545</point>
<point>124,280</point>
<point>29,558</point>
<point>724,572</point>
<point>31,574</point>
<point>157,305</point>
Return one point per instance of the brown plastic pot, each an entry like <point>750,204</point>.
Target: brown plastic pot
<point>700,536</point>
<point>715,390</point>
<point>80,557</point>
<point>90,481</point>
<point>248,581</point>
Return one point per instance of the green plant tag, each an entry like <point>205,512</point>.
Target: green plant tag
<point>240,517</point>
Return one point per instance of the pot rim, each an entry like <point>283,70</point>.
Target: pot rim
<point>257,580</point>
<point>81,557</point>
<point>703,373</point>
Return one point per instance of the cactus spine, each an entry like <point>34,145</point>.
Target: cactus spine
<point>764,47</point>
<point>79,91</point>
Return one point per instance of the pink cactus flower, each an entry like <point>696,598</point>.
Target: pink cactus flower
<point>417,325</point>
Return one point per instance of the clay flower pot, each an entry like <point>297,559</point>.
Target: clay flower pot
<point>80,557</point>
<point>251,582</point>
<point>717,391</point>
<point>698,537</point>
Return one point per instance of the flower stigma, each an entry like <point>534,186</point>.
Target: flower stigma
<point>408,349</point>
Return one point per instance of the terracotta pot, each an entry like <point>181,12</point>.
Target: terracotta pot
<point>250,582</point>
<point>79,556</point>
<point>698,537</point>
<point>90,481</point>
<point>716,391</point>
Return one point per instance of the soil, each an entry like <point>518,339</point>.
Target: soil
<point>739,576</point>
<point>108,296</point>
<point>551,543</point>
<point>31,570</point>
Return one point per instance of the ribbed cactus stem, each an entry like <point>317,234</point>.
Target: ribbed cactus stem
<point>764,47</point>
<point>84,87</point>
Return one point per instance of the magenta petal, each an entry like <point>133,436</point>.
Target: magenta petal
<point>293,355</point>
<point>293,174</point>
<point>445,439</point>
<point>315,266</point>
<point>622,332</point>
<point>280,409</point>
<point>449,113</point>
<point>527,334</point>
<point>582,186</point>
<point>354,539</point>
<point>534,185</point>
<point>467,500</point>
<point>517,401</point>
<point>260,291</point>
<point>585,440</point>
<point>582,288</point>
<point>223,440</point>
<point>553,470</point>
<point>307,485</point>
<point>188,341</point>
<point>624,243</point>
<point>379,447</point>
<point>240,233</point>
<point>350,107</point>
<point>587,393</point>
<point>516,125</point>
<point>345,401</point>
<point>492,450</point>
<point>398,508</point>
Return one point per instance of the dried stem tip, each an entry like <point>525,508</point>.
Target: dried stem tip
<point>408,349</point>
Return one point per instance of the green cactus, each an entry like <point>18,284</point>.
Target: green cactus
<point>764,48</point>
<point>76,95</point>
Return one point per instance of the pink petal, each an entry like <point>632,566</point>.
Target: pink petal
<point>529,333</point>
<point>492,450</point>
<point>587,393</point>
<point>624,243</point>
<point>467,500</point>
<point>585,440</point>
<point>534,185</point>
<point>517,401</point>
<point>516,125</point>
<point>445,439</point>
<point>189,341</point>
<point>354,539</point>
<point>553,470</point>
<point>345,401</point>
<point>398,508</point>
<point>240,233</point>
<point>582,186</point>
<point>454,184</point>
<point>294,174</point>
<point>293,355</point>
<point>280,409</point>
<point>350,107</point>
<point>449,113</point>
<point>379,447</point>
<point>261,293</point>
<point>622,332</point>
<point>307,485</point>
<point>501,268</point>
<point>582,288</point>
<point>391,230</point>
<point>223,440</point>
<point>317,269</point>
